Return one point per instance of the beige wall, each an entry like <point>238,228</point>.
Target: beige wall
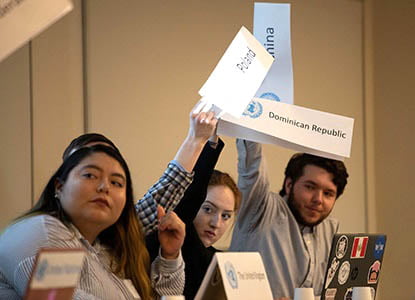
<point>394,107</point>
<point>41,102</point>
<point>15,136</point>
<point>144,63</point>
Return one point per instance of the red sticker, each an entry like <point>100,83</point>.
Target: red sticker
<point>373,274</point>
<point>359,247</point>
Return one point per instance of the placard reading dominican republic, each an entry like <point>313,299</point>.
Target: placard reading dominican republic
<point>56,274</point>
<point>235,275</point>
<point>272,29</point>
<point>21,20</point>
<point>238,75</point>
<point>291,126</point>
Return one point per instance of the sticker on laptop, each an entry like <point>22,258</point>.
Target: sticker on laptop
<point>332,271</point>
<point>373,274</point>
<point>359,247</point>
<point>344,272</point>
<point>341,246</point>
<point>379,246</point>
<point>330,294</point>
<point>349,294</point>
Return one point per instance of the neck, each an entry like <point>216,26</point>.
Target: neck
<point>88,231</point>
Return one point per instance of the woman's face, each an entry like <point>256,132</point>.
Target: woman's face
<point>215,214</point>
<point>94,194</point>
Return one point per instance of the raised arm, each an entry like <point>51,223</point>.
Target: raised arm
<point>195,195</point>
<point>169,189</point>
<point>253,183</point>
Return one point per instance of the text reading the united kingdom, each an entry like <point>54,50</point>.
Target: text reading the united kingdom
<point>251,276</point>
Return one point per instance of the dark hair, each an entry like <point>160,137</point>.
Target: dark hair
<point>221,178</point>
<point>85,139</point>
<point>124,239</point>
<point>295,169</point>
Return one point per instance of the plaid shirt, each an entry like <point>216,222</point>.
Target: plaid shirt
<point>167,192</point>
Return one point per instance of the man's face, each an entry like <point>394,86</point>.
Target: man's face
<point>312,197</point>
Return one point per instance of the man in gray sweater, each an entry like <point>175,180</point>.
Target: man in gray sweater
<point>292,230</point>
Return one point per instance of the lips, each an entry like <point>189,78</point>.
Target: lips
<point>101,201</point>
<point>210,234</point>
<point>313,209</point>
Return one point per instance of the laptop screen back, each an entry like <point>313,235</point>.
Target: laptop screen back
<point>355,260</point>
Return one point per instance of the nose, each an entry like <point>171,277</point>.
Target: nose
<point>103,186</point>
<point>318,197</point>
<point>214,221</point>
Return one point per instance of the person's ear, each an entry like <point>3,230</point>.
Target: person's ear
<point>288,184</point>
<point>58,187</point>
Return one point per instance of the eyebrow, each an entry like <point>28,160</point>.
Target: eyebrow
<point>100,169</point>
<point>225,210</point>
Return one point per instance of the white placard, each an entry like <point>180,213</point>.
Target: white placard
<point>291,126</point>
<point>235,276</point>
<point>272,29</point>
<point>57,269</point>
<point>238,75</point>
<point>21,20</point>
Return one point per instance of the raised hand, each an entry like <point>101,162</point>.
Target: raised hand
<point>171,233</point>
<point>202,127</point>
<point>202,124</point>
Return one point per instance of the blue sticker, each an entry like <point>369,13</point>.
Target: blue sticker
<point>270,96</point>
<point>253,110</point>
<point>379,247</point>
<point>231,275</point>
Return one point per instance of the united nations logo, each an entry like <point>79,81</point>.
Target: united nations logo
<point>231,275</point>
<point>253,110</point>
<point>41,269</point>
<point>270,96</point>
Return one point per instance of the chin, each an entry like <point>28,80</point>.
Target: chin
<point>313,222</point>
<point>207,243</point>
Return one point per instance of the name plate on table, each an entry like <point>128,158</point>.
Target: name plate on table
<point>235,275</point>
<point>22,20</point>
<point>238,75</point>
<point>291,126</point>
<point>56,274</point>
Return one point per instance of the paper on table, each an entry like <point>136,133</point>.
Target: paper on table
<point>238,75</point>
<point>22,20</point>
<point>291,126</point>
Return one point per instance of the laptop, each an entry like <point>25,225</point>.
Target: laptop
<point>355,260</point>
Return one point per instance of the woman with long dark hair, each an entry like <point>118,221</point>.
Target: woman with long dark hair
<point>88,203</point>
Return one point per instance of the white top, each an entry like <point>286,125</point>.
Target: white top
<point>21,241</point>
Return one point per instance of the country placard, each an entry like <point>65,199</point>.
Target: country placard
<point>292,126</point>
<point>238,75</point>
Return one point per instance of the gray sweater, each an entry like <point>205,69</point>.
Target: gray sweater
<point>293,256</point>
